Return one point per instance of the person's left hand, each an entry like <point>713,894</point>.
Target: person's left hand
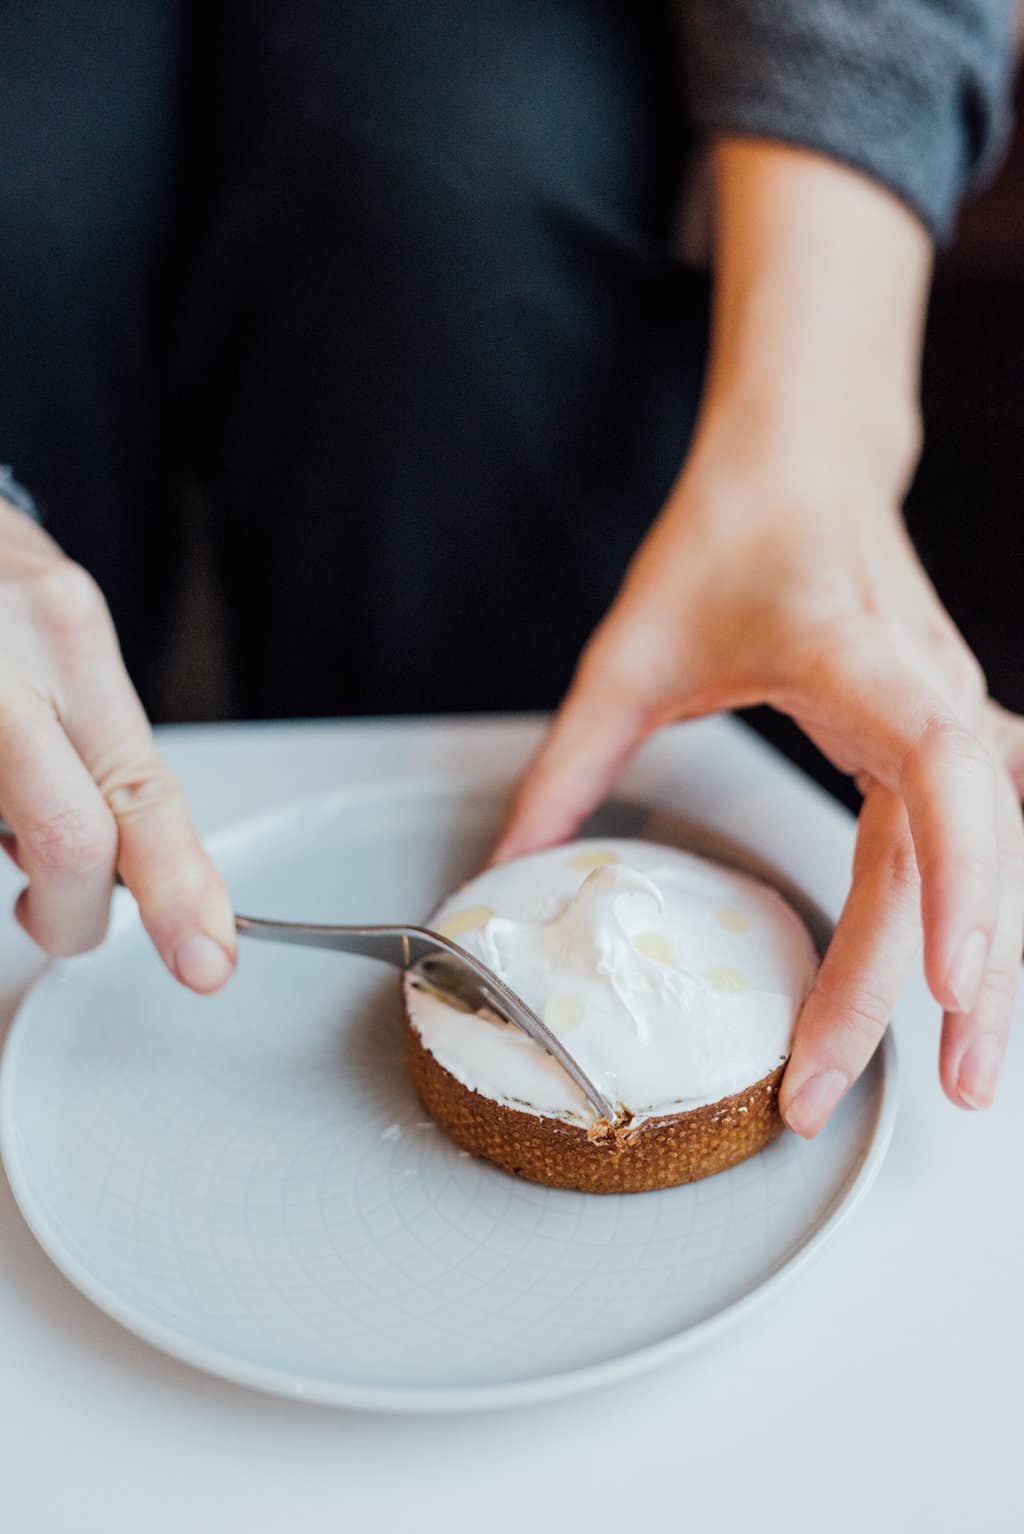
<point>760,584</point>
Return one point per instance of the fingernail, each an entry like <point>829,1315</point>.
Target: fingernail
<point>201,964</point>
<point>809,1109</point>
<point>967,971</point>
<point>979,1071</point>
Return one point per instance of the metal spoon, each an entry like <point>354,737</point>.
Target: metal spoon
<point>439,962</point>
<point>445,967</point>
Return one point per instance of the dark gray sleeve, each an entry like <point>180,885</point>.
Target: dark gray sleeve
<point>914,92</point>
<point>16,495</point>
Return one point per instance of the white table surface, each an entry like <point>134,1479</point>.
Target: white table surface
<point>879,1390</point>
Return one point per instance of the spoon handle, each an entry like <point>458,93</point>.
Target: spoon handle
<point>397,946</point>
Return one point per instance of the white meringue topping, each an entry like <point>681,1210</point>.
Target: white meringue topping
<point>674,981</point>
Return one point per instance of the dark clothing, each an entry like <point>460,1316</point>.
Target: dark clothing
<point>395,283</point>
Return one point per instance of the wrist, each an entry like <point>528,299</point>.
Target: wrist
<point>816,448</point>
<point>821,283</point>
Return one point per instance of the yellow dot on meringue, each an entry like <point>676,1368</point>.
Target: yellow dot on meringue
<point>461,922</point>
<point>725,978</point>
<point>732,920</point>
<point>585,861</point>
<point>654,946</point>
<point>564,1012</point>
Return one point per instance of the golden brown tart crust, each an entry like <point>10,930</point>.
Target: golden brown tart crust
<point>626,1158</point>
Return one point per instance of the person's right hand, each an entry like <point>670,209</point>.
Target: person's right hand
<point>81,782</point>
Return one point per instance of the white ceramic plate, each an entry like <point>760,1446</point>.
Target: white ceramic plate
<point>250,1184</point>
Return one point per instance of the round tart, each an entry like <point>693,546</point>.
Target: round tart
<point>674,981</point>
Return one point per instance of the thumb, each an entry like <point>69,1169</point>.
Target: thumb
<point>608,711</point>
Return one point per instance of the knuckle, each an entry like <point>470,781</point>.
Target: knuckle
<point>902,874</point>
<point>139,788</point>
<point>66,599</point>
<point>1003,973</point>
<point>1001,980</point>
<point>859,1015</point>
<point>70,842</point>
<point>60,947</point>
<point>885,856</point>
<point>863,1020</point>
<point>944,740</point>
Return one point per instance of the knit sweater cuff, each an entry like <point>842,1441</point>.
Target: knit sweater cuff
<point>913,94</point>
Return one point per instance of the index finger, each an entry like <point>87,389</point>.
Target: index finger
<point>182,900</point>
<point>872,949</point>
<point>886,719</point>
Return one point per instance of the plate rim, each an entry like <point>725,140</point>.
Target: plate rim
<point>405,1398</point>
